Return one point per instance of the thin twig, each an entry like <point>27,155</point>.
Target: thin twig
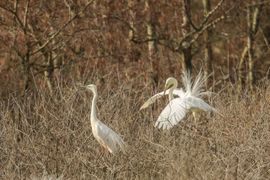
<point>61,29</point>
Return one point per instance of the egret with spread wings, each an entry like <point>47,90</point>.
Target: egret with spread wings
<point>187,100</point>
<point>104,135</point>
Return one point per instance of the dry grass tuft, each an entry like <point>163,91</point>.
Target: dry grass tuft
<point>40,134</point>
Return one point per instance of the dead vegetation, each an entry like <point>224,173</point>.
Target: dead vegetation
<point>44,135</point>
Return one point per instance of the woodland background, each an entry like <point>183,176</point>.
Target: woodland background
<point>128,49</point>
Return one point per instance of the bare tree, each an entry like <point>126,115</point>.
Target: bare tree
<point>29,43</point>
<point>190,32</point>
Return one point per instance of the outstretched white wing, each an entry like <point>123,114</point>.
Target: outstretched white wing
<point>151,100</point>
<point>198,103</point>
<point>172,114</point>
<point>177,109</point>
<point>110,139</point>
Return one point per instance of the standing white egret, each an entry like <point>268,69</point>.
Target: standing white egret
<point>104,135</point>
<point>188,100</point>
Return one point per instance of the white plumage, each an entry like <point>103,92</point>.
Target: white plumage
<point>104,135</point>
<point>188,100</point>
<point>151,100</point>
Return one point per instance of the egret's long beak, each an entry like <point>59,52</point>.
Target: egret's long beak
<point>167,87</point>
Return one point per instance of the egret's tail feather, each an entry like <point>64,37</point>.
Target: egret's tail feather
<point>186,78</point>
<point>196,88</point>
<point>122,146</point>
<point>217,112</point>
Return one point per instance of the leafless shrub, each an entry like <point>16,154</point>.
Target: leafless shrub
<point>40,133</point>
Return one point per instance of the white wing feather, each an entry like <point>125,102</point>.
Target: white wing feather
<point>194,88</point>
<point>174,112</point>
<point>177,109</point>
<point>108,138</point>
<point>151,100</point>
<point>198,103</point>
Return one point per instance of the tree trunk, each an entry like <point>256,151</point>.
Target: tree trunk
<point>186,28</point>
<point>240,70</point>
<point>48,73</point>
<point>208,52</point>
<point>152,45</point>
<point>253,15</point>
<point>26,72</point>
<point>250,40</point>
<point>131,22</point>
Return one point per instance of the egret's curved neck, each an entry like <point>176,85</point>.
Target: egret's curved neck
<point>93,108</point>
<point>171,91</point>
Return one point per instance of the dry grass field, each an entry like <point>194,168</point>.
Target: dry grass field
<point>50,137</point>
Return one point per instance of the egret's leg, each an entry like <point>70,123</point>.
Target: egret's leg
<point>195,116</point>
<point>195,119</point>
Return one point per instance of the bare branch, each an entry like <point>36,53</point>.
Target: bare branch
<point>206,18</point>
<point>16,6</point>
<point>213,23</point>
<point>187,39</point>
<point>265,38</point>
<point>25,15</point>
<point>259,3</point>
<point>196,34</point>
<point>130,27</point>
<point>14,13</point>
<point>256,18</point>
<point>61,29</point>
<point>188,15</point>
